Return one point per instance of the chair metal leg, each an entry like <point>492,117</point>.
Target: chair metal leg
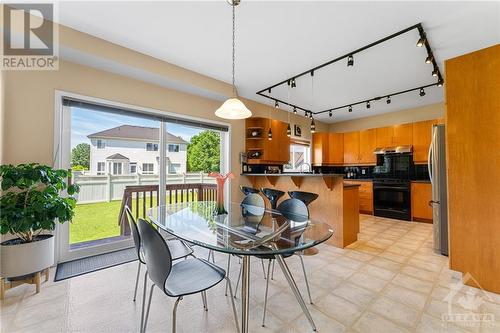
<point>149,306</point>
<point>305,278</point>
<point>238,281</point>
<point>227,272</point>
<point>263,269</point>
<point>272,272</point>
<point>137,279</point>
<point>235,313</point>
<point>144,298</point>
<point>265,297</point>
<point>245,291</point>
<point>295,289</point>
<point>174,314</point>
<point>204,298</point>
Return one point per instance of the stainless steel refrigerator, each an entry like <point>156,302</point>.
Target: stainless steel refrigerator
<point>437,173</point>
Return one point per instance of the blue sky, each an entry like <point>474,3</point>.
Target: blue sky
<point>85,122</point>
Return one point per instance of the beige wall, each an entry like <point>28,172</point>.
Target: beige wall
<point>27,131</point>
<point>427,112</point>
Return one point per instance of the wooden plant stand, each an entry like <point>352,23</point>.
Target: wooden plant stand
<point>35,278</point>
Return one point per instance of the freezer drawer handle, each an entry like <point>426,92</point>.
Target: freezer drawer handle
<point>433,202</point>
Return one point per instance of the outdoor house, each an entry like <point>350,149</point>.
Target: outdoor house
<point>126,150</point>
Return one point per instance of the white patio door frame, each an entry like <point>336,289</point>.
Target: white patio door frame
<point>62,158</point>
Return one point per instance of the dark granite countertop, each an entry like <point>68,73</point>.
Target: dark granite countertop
<point>293,174</point>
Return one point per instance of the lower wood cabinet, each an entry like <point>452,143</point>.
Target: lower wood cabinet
<point>365,195</point>
<point>421,194</point>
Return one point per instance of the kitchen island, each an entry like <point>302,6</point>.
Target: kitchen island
<point>337,204</point>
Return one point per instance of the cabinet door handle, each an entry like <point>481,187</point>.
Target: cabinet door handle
<point>431,202</point>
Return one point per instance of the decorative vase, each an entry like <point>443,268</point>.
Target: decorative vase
<point>221,180</point>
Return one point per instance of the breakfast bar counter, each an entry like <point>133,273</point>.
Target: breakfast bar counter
<point>337,204</point>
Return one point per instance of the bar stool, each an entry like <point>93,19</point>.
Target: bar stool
<point>272,195</point>
<point>248,190</point>
<point>305,197</point>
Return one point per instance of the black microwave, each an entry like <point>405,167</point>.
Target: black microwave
<point>393,166</point>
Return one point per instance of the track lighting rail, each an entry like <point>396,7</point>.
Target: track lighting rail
<point>423,41</point>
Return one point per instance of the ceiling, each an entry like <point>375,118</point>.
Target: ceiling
<point>276,40</point>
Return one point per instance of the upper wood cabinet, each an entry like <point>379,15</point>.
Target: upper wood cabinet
<point>384,136</point>
<point>421,140</point>
<point>267,151</point>
<point>367,144</point>
<point>351,147</point>
<point>402,134</point>
<point>336,148</point>
<point>320,148</point>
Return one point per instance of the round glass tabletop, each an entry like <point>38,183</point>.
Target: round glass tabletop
<point>244,230</point>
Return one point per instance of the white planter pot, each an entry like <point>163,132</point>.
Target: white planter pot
<point>23,259</point>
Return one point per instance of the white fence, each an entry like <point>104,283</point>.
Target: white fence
<point>108,187</point>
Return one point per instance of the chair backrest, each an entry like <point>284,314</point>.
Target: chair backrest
<point>156,253</point>
<point>294,209</point>
<point>253,199</point>
<point>135,232</point>
<point>248,190</point>
<point>273,195</point>
<point>305,197</point>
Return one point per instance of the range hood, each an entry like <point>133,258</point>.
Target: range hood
<point>394,150</point>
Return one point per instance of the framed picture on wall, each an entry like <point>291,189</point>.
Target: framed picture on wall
<point>297,131</point>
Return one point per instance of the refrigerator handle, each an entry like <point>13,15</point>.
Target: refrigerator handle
<point>429,155</point>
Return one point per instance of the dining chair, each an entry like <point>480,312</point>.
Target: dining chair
<point>177,248</point>
<point>272,195</point>
<point>185,277</point>
<point>248,190</point>
<point>305,197</point>
<point>296,211</point>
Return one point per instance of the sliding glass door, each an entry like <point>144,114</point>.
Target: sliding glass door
<point>121,157</point>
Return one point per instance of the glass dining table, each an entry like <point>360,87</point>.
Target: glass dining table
<point>245,231</point>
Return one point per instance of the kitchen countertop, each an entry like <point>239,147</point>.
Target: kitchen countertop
<point>421,181</point>
<point>351,185</point>
<point>293,174</point>
<point>359,179</point>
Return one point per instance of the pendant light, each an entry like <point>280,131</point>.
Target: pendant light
<point>270,131</point>
<point>288,128</point>
<point>233,108</point>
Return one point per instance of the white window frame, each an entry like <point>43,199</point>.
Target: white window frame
<point>100,144</point>
<point>62,160</point>
<point>154,146</point>
<point>148,172</point>
<point>171,170</point>
<point>101,171</point>
<point>307,158</point>
<point>117,164</point>
<point>133,165</point>
<point>175,145</point>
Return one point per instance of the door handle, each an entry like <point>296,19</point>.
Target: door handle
<point>431,202</point>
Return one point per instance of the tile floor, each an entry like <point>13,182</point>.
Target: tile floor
<point>388,281</point>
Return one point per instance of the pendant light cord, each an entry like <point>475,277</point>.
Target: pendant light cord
<point>234,47</point>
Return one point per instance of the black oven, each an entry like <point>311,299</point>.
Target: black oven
<point>391,186</point>
<point>391,198</point>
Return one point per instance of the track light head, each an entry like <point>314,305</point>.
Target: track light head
<point>440,83</point>
<point>350,60</point>
<point>276,104</point>
<point>350,108</point>
<point>388,101</point>
<point>435,72</point>
<point>422,92</point>
<point>429,59</point>
<point>421,40</point>
<point>288,130</point>
<point>313,126</point>
<point>330,113</point>
<point>295,110</point>
<point>368,105</point>
<point>311,115</point>
<point>293,83</point>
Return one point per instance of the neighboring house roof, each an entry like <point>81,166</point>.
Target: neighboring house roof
<point>117,157</point>
<point>136,133</point>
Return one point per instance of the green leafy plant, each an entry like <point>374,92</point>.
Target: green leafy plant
<point>31,201</point>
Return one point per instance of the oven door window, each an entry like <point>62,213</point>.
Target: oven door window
<point>391,198</point>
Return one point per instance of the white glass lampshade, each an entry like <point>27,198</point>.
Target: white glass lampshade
<point>233,108</point>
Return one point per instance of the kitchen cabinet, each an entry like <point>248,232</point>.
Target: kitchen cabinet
<point>351,148</point>
<point>367,144</point>
<point>365,195</point>
<point>336,148</point>
<point>422,137</point>
<point>383,136</point>
<point>259,149</point>
<point>421,194</point>
<point>402,134</point>
<point>320,148</point>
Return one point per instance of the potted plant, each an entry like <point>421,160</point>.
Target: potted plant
<point>31,204</point>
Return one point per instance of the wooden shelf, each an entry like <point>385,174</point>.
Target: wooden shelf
<point>255,148</point>
<point>255,127</point>
<point>255,138</point>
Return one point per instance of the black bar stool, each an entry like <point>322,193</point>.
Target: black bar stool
<point>248,190</point>
<point>273,195</point>
<point>305,197</point>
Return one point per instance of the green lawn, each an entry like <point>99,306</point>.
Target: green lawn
<point>99,220</point>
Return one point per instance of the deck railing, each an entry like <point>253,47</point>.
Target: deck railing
<point>139,198</point>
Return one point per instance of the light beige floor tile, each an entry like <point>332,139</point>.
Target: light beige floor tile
<point>430,324</point>
<point>371,322</point>
<point>396,312</point>
<point>378,272</point>
<point>412,283</point>
<point>355,294</point>
<point>323,323</point>
<point>368,281</point>
<point>405,296</point>
<point>340,309</point>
